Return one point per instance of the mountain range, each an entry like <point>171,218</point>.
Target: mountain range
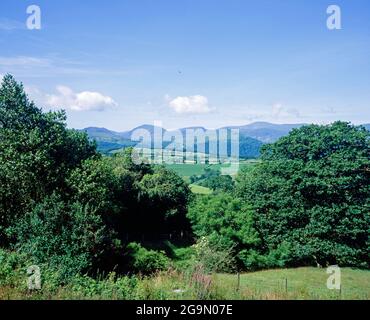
<point>252,136</point>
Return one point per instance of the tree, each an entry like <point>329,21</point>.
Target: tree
<point>312,193</point>
<point>219,183</point>
<point>224,220</point>
<point>36,153</point>
<point>163,198</point>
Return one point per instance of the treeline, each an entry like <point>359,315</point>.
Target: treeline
<point>64,205</point>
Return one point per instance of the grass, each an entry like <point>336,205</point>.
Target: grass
<point>185,170</point>
<point>199,189</point>
<point>303,283</point>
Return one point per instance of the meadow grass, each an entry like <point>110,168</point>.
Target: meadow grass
<point>199,189</point>
<point>186,170</point>
<point>298,283</point>
<point>303,283</point>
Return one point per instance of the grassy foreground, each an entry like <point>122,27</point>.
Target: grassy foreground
<point>299,283</point>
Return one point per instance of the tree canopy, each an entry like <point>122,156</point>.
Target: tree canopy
<point>312,192</point>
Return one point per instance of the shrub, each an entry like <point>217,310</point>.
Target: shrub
<point>225,222</point>
<point>70,238</point>
<point>111,287</point>
<point>145,261</point>
<point>213,256</point>
<point>9,263</point>
<point>275,258</point>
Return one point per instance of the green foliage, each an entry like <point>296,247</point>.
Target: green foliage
<point>164,191</point>
<point>145,261</point>
<point>209,171</point>
<point>36,153</point>
<point>276,258</point>
<point>64,205</point>
<point>211,178</point>
<point>9,262</point>
<point>312,190</point>
<point>123,288</point>
<point>222,183</point>
<point>95,184</point>
<point>71,238</point>
<point>221,216</point>
<point>225,222</point>
<point>214,256</point>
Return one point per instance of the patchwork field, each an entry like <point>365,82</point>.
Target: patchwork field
<point>188,170</point>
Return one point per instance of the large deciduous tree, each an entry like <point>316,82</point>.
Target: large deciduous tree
<point>311,195</point>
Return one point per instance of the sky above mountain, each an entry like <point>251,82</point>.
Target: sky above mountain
<point>119,64</point>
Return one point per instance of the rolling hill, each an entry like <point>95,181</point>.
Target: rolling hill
<point>108,141</point>
<point>252,136</point>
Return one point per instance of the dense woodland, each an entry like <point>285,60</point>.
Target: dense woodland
<point>65,206</point>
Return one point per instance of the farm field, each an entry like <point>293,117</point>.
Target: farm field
<point>199,189</point>
<point>187,170</point>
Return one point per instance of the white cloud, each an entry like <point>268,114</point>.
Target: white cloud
<point>190,104</point>
<point>24,61</point>
<point>81,101</point>
<point>277,108</point>
<point>9,25</point>
<point>279,111</point>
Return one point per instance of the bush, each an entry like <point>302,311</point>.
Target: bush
<point>225,222</point>
<point>277,258</point>
<point>69,238</point>
<point>112,287</point>
<point>213,256</point>
<point>9,263</point>
<point>145,261</point>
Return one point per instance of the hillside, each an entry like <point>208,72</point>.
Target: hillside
<point>109,141</point>
<point>265,131</point>
<point>252,136</point>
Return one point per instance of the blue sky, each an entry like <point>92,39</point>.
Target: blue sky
<point>119,64</point>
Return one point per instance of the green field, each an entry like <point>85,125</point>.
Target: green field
<point>199,189</point>
<point>187,170</point>
<point>299,283</point>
